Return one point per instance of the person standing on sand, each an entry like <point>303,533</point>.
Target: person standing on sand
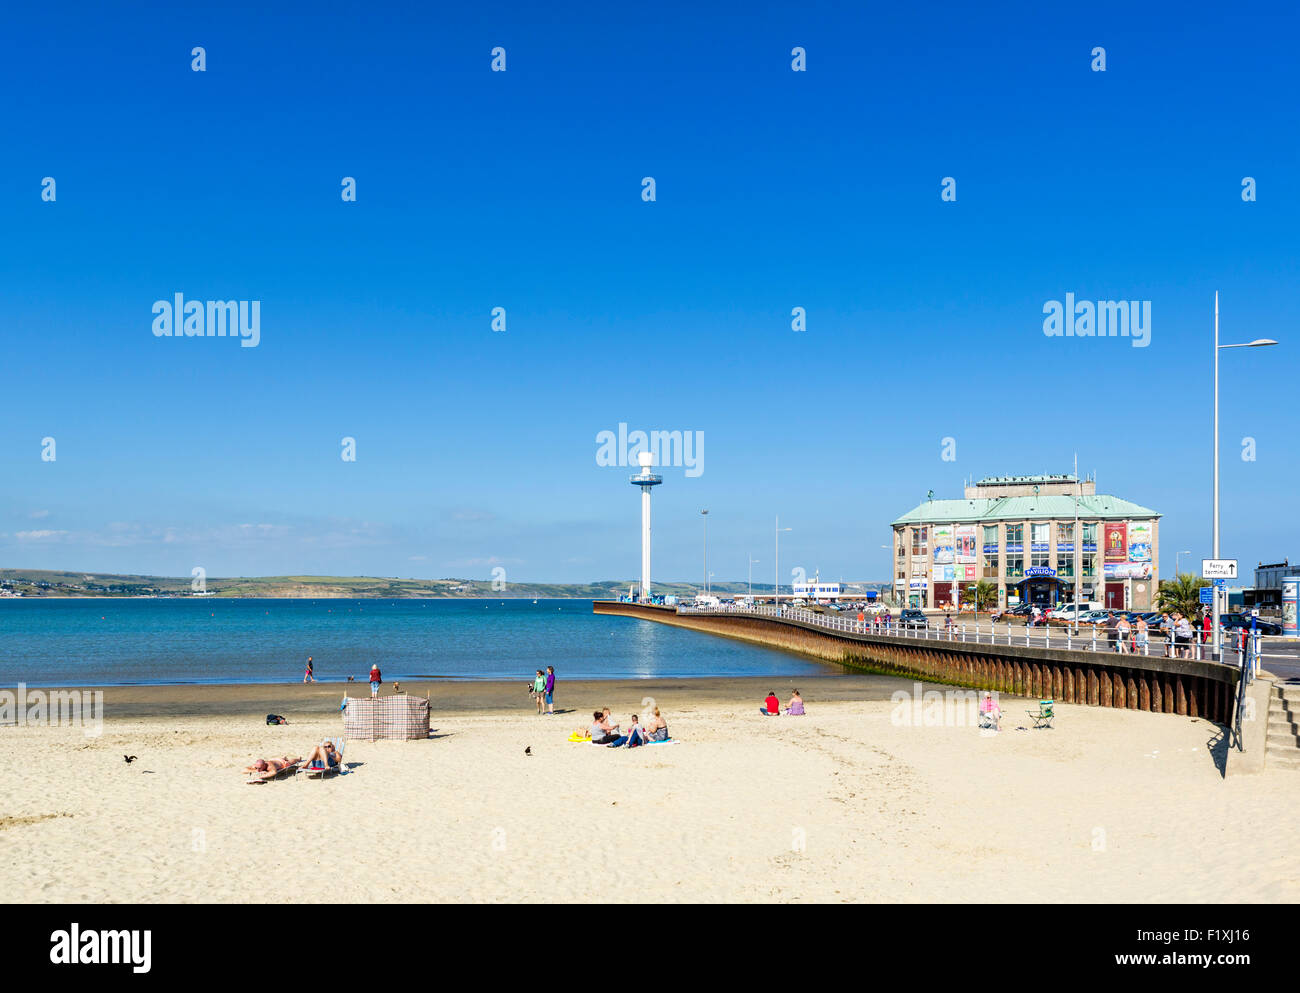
<point>539,690</point>
<point>550,690</point>
<point>307,676</point>
<point>375,680</point>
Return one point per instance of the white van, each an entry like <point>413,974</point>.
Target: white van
<point>707,601</point>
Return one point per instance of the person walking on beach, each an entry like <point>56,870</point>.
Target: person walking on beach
<point>307,676</point>
<point>375,680</point>
<point>539,690</point>
<point>550,690</point>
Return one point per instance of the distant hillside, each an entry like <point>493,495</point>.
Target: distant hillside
<point>36,583</point>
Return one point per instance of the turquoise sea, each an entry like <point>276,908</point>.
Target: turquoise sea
<point>114,642</point>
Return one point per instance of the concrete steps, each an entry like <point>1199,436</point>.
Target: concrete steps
<point>1283,749</point>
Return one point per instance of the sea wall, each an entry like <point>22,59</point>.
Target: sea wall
<point>1098,679</point>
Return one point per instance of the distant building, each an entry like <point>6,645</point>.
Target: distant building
<point>817,590</point>
<point>1268,584</point>
<point>1033,537</point>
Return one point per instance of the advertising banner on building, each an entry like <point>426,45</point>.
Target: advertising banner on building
<point>942,574</point>
<point>943,544</point>
<point>1116,538</point>
<point>966,543</point>
<point>1290,601</point>
<point>1127,570</point>
<point>1139,542</point>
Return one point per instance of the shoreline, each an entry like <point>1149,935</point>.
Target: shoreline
<point>574,698</point>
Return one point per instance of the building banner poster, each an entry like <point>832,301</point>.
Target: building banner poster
<point>1139,542</point>
<point>943,548</point>
<point>1116,543</point>
<point>966,543</point>
<point>1290,601</point>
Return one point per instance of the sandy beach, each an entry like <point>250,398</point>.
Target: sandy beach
<point>854,802</point>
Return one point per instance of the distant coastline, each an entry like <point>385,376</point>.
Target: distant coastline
<point>72,585</point>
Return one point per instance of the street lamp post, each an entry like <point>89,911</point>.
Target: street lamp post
<point>705,515</point>
<point>752,561</point>
<point>1257,343</point>
<point>1177,556</point>
<point>776,592</point>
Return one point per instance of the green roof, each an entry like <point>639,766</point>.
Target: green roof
<point>1025,508</point>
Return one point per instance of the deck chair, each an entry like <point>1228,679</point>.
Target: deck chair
<point>319,771</point>
<point>986,721</point>
<point>1042,717</point>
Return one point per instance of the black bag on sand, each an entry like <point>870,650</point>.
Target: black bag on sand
<point>275,719</point>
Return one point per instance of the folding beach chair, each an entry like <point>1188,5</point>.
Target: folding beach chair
<point>1042,717</point>
<point>320,770</point>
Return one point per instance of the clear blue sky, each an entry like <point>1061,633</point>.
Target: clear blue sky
<point>522,190</point>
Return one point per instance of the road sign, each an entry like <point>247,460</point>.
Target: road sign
<point>1219,568</point>
<point>1207,594</point>
<point>1220,584</point>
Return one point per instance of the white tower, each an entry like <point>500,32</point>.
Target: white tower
<point>645,479</point>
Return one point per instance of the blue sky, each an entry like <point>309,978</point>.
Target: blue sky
<point>522,190</point>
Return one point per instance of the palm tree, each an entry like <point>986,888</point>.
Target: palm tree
<point>1182,594</point>
<point>984,594</point>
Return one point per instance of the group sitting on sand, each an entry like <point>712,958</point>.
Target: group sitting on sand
<point>772,705</point>
<point>603,732</point>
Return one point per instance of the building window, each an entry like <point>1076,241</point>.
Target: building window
<point>990,551</point>
<point>1042,533</point>
<point>1064,533</point>
<point>1090,537</point>
<point>920,542</point>
<point>1088,563</point>
<point>1015,534</point>
<point>1015,565</point>
<point>1065,566</point>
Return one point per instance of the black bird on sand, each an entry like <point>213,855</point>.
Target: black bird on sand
<point>129,758</point>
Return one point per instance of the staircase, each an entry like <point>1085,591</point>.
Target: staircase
<point>1284,727</point>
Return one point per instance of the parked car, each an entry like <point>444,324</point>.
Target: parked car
<point>1094,616</point>
<point>912,618</point>
<point>1231,622</point>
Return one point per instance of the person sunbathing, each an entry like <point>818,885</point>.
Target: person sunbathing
<point>991,711</point>
<point>601,731</point>
<point>324,756</point>
<point>656,728</point>
<point>270,768</point>
<point>634,737</point>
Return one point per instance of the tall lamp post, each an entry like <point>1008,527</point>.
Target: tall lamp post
<point>776,592</point>
<point>1257,343</point>
<point>752,562</point>
<point>705,515</point>
<point>1177,556</point>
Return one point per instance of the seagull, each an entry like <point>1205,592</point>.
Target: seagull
<point>528,750</point>
<point>129,758</point>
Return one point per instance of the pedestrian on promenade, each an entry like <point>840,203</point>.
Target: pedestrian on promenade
<point>1140,636</point>
<point>1112,629</point>
<point>1123,630</point>
<point>862,621</point>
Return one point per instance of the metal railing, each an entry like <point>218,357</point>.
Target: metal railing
<point>1237,652</point>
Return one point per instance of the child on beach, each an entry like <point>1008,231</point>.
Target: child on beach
<point>539,690</point>
<point>375,679</point>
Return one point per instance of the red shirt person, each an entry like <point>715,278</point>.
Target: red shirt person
<point>772,705</point>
